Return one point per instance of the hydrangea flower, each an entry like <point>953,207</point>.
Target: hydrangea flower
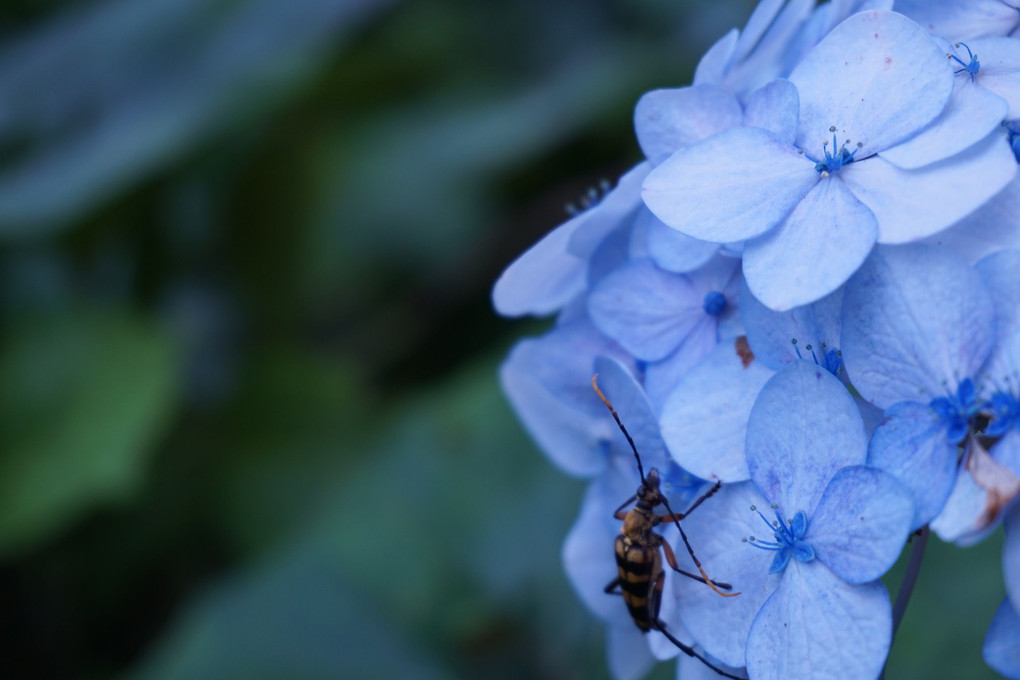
<point>757,302</point>
<point>823,529</point>
<point>918,325</point>
<point>810,212</point>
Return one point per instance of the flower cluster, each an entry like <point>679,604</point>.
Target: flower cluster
<point>809,291</point>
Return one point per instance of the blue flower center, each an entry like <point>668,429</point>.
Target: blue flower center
<point>971,67</point>
<point>1013,131</point>
<point>714,303</point>
<point>1005,408</point>
<point>831,359</point>
<point>955,411</point>
<point>834,159</point>
<point>789,540</point>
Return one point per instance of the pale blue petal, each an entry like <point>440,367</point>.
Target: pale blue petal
<point>627,653</point>
<point>757,24</point>
<point>915,319</point>
<point>1001,649</point>
<point>711,69</point>
<point>817,626</point>
<point>544,278</point>
<point>721,274</point>
<point>588,557</point>
<point>662,377</point>
<point>964,519</point>
<point>647,310</point>
<point>803,428</point>
<point>715,531</point>
<point>689,668</point>
<point>672,250</point>
<point>569,437</point>
<point>961,19</point>
<point>1011,555</point>
<point>769,333</point>
<point>776,108</point>
<point>729,187</point>
<point>992,227</point>
<point>814,251</point>
<point>547,381</point>
<point>861,523</point>
<point>912,204</point>
<point>611,254</point>
<point>971,114</point>
<point>1001,273</point>
<point>878,77</point>
<point>769,57</point>
<point>636,414</point>
<point>911,445</point>
<point>618,208</point>
<point>718,391</point>
<point>667,120</point>
<point>1000,69</point>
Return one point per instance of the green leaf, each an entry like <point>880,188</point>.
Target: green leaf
<point>82,398</point>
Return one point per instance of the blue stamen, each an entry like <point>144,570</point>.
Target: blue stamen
<point>789,540</point>
<point>831,359</point>
<point>1005,408</point>
<point>589,200</point>
<point>1013,132</point>
<point>972,67</point>
<point>835,161</point>
<point>714,303</point>
<point>957,410</point>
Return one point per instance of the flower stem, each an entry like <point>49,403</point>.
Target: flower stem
<point>909,581</point>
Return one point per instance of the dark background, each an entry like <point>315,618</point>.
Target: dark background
<point>249,419</point>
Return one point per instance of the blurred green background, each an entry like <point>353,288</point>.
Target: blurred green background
<point>248,407</point>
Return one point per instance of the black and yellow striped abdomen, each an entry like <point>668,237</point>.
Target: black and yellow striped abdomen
<point>639,566</point>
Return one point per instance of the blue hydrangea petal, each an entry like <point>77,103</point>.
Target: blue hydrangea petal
<point>546,380</point>
<point>988,229</point>
<point>1000,69</point>
<point>790,456</point>
<point>689,668</point>
<point>711,68</point>
<point>729,187</point>
<point>588,556</point>
<point>543,279</point>
<point>861,523</point>
<point>669,119</point>
<point>647,310</point>
<point>963,518</point>
<point>971,114</point>
<point>780,561</point>
<point>915,319</point>
<point>814,251</point>
<point>1001,273</point>
<point>769,333</point>
<point>817,626</point>
<point>671,250</point>
<point>911,445</point>
<point>618,208</point>
<point>1001,649</point>
<point>961,19</point>
<point>770,55</point>
<point>878,77</point>
<point>720,390</point>
<point>627,652</point>
<point>715,530</point>
<point>757,24</point>
<point>662,377</point>
<point>635,411</point>
<point>774,107</point>
<point>1011,555</point>
<point>912,204</point>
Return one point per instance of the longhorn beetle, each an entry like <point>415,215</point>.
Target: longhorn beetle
<point>638,559</point>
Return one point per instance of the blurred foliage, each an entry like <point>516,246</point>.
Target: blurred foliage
<point>250,420</point>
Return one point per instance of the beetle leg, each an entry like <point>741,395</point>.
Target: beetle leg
<point>620,514</point>
<point>613,585</point>
<point>677,516</point>
<point>671,560</point>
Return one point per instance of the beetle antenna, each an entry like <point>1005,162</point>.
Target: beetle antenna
<point>626,434</point>
<point>697,562</point>
<point>689,651</point>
